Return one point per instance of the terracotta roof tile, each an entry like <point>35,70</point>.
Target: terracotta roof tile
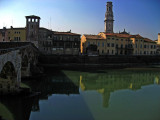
<point>123,35</point>
<point>94,37</point>
<point>66,33</point>
<point>149,40</point>
<point>118,35</point>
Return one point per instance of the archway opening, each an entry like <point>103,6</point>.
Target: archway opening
<point>8,78</point>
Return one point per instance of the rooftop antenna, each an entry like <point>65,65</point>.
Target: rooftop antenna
<point>12,22</point>
<point>50,24</point>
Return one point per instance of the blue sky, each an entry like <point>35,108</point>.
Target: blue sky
<point>85,16</point>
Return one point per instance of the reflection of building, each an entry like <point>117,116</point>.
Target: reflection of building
<point>110,43</point>
<point>110,82</point>
<point>57,85</point>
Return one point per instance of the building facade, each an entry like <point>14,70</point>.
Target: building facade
<point>122,43</point>
<point>60,43</point>
<point>13,34</point>
<point>119,44</point>
<point>32,29</point>
<point>159,38</point>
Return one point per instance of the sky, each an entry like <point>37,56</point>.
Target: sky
<point>84,16</point>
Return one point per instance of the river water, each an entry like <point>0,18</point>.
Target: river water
<point>128,94</point>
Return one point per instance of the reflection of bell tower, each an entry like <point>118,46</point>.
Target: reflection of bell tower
<point>32,29</point>
<point>109,18</point>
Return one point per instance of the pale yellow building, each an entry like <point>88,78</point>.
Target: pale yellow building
<point>118,44</point>
<point>13,35</point>
<point>17,34</point>
<point>159,38</point>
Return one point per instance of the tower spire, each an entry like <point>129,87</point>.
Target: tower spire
<point>109,18</point>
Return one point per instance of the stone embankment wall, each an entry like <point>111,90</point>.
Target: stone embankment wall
<point>97,61</point>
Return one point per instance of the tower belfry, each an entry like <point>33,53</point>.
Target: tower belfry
<point>32,29</point>
<point>109,18</point>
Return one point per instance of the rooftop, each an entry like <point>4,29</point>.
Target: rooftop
<point>148,40</point>
<point>33,16</point>
<point>66,33</point>
<point>94,37</point>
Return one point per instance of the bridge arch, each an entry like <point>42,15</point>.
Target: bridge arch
<point>8,78</point>
<point>10,72</point>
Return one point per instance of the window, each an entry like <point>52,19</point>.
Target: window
<point>121,46</point>
<point>136,45</point>
<point>98,44</point>
<point>103,44</point>
<point>108,38</point>
<point>116,45</point>
<point>145,52</point>
<point>121,39</point>
<point>108,51</point>
<point>108,44</point>
<point>112,38</point>
<point>151,46</point>
<point>112,52</point>
<point>88,43</point>
<point>145,46</point>
<point>141,45</point>
<point>116,39</point>
<point>112,44</point>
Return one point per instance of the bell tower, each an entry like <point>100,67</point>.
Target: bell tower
<point>109,18</point>
<point>32,29</point>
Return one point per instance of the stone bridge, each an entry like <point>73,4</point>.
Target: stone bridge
<point>17,59</point>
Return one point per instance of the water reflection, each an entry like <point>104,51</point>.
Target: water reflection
<point>107,83</point>
<point>69,83</point>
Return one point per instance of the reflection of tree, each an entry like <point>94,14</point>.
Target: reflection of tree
<point>110,82</point>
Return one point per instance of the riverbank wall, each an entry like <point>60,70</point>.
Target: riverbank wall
<point>97,61</point>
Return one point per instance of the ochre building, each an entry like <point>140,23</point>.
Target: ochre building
<point>110,43</point>
<point>118,44</point>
